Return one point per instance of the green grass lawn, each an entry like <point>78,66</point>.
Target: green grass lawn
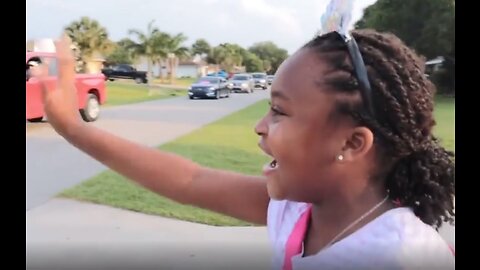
<point>179,82</point>
<point>229,143</point>
<point>124,93</point>
<point>445,117</point>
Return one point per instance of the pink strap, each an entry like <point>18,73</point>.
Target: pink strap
<point>294,242</point>
<point>452,249</point>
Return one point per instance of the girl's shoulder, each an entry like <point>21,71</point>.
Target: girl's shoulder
<point>397,238</point>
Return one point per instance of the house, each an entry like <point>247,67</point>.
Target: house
<point>94,64</point>
<point>187,68</point>
<point>191,69</point>
<point>41,45</point>
<point>194,67</point>
<point>434,65</point>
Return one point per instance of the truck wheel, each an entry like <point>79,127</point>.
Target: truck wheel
<point>139,80</point>
<point>92,109</point>
<point>35,120</point>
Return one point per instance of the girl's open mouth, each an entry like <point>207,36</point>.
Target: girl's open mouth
<point>270,167</point>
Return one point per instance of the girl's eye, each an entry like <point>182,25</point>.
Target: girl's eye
<point>276,111</point>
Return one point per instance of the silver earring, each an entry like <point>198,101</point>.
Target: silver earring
<point>340,157</point>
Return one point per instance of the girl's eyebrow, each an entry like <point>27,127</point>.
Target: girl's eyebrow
<point>279,94</point>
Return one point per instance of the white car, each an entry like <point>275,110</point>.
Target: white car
<point>242,83</point>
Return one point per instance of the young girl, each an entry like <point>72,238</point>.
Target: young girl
<point>357,179</point>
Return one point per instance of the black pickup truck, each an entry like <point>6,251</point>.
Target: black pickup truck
<point>123,71</point>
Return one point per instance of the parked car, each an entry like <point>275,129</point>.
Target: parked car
<point>270,79</point>
<point>124,71</point>
<point>90,88</point>
<point>241,83</point>
<point>260,80</point>
<point>209,87</point>
<point>221,73</point>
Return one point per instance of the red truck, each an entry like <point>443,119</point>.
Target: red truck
<point>90,89</point>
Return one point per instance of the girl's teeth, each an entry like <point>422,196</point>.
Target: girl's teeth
<point>273,164</point>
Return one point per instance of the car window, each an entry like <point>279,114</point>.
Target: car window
<point>241,78</point>
<point>51,63</point>
<point>207,79</point>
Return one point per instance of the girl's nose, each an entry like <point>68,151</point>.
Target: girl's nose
<point>261,127</point>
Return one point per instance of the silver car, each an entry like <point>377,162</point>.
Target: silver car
<point>260,80</point>
<point>270,79</point>
<point>241,83</point>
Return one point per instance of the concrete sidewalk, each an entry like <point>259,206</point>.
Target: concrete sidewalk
<point>74,235</point>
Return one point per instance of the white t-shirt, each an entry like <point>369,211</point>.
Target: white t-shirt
<point>395,240</point>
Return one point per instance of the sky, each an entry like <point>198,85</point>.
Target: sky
<point>288,23</point>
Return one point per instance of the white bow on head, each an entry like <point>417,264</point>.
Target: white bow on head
<point>337,17</point>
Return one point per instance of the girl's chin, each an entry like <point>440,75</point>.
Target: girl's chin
<point>274,190</point>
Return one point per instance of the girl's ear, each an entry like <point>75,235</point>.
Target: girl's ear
<point>358,144</point>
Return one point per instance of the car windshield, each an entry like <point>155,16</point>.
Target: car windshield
<point>258,76</point>
<point>207,80</point>
<point>240,78</point>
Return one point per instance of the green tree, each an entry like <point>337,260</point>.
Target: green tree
<point>150,45</point>
<point>267,65</point>
<point>252,62</point>
<point>234,56</point>
<point>122,54</point>
<point>90,38</point>
<point>268,51</point>
<point>227,55</point>
<point>201,47</point>
<point>175,51</point>
<point>217,56</point>
<point>428,26</point>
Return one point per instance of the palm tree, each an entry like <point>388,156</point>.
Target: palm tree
<point>175,51</point>
<point>161,40</point>
<point>149,45</point>
<point>90,38</point>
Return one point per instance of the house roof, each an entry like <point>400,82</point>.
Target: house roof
<point>187,62</point>
<point>192,63</point>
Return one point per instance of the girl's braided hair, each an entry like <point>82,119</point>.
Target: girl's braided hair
<point>419,173</point>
